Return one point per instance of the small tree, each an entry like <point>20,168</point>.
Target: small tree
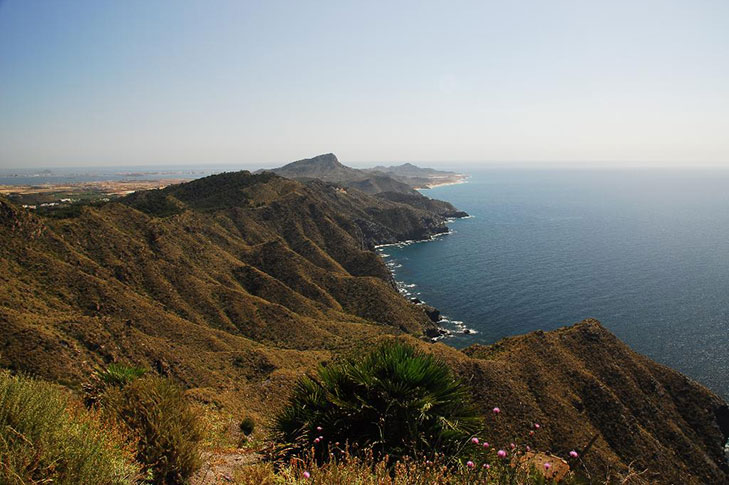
<point>396,401</point>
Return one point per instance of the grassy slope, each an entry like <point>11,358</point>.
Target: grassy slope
<point>219,291</point>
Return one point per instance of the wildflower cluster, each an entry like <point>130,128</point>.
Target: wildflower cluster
<point>483,460</point>
<point>478,462</point>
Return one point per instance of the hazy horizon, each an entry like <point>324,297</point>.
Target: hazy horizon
<point>454,165</point>
<point>456,84</point>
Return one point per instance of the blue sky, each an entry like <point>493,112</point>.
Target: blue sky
<point>177,82</point>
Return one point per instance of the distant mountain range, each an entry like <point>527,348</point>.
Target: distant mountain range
<point>396,184</point>
<point>400,178</point>
<point>418,177</point>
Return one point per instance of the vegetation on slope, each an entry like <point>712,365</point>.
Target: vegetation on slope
<point>45,437</point>
<point>394,401</point>
<point>292,272</point>
<point>167,429</point>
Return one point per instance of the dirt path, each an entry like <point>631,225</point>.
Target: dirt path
<point>220,467</point>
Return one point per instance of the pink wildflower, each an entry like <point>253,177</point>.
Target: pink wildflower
<point>316,440</point>
<point>536,425</point>
<point>502,454</point>
<point>512,445</point>
<point>497,410</point>
<point>469,464</point>
<point>486,466</point>
<point>528,448</point>
<point>485,444</point>
<point>474,440</point>
<point>318,428</point>
<point>547,466</point>
<point>574,454</point>
<point>307,475</point>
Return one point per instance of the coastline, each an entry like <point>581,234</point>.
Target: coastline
<point>461,180</point>
<point>407,291</point>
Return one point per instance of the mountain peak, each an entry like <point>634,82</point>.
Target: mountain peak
<point>325,167</point>
<point>326,160</point>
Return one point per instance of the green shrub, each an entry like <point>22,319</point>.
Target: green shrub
<point>115,375</point>
<point>45,438</point>
<point>120,375</point>
<point>247,425</point>
<point>168,429</point>
<point>395,401</point>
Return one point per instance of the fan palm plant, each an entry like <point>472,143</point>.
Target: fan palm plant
<point>395,401</point>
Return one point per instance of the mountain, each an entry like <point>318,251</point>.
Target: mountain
<point>328,168</point>
<point>587,384</point>
<point>236,284</point>
<point>417,177</point>
<point>409,170</point>
<point>222,264</point>
<point>323,167</point>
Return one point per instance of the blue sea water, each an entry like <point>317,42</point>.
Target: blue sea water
<point>646,252</point>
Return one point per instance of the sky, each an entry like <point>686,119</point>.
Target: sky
<point>102,82</point>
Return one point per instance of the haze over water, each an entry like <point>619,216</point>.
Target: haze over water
<point>644,251</point>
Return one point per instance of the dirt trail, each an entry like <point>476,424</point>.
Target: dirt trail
<point>221,467</point>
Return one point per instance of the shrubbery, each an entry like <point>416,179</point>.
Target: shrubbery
<point>394,401</point>
<point>247,425</point>
<point>168,430</point>
<point>120,375</point>
<point>45,438</point>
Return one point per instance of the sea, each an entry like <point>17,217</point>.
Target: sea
<point>644,251</point>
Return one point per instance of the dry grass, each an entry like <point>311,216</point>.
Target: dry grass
<point>45,437</point>
<point>347,469</point>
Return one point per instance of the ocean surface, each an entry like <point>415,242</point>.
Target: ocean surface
<point>646,252</point>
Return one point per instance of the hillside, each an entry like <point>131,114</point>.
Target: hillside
<point>212,265</point>
<point>390,186</point>
<point>585,383</point>
<point>236,284</point>
<point>417,177</point>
